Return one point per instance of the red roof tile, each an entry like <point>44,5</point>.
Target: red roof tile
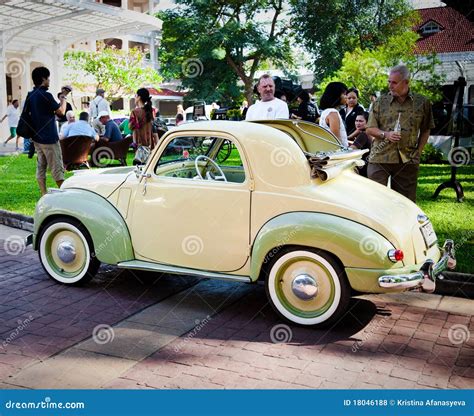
<point>457,34</point>
<point>166,92</point>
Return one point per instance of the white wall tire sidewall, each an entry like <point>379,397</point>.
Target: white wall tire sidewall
<point>280,307</point>
<point>50,230</point>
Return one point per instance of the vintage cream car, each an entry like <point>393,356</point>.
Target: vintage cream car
<point>237,201</point>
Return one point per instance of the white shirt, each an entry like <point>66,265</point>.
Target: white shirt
<point>268,110</point>
<point>97,105</point>
<point>13,115</point>
<point>342,127</point>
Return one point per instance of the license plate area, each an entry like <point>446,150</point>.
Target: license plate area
<point>428,234</point>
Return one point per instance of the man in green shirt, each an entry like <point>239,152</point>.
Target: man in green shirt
<point>400,122</point>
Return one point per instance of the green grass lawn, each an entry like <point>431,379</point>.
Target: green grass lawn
<point>19,193</point>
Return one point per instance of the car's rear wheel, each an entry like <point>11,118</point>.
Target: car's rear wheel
<point>307,287</point>
<point>66,252</point>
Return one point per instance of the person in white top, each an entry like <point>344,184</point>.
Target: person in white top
<point>71,118</point>
<point>98,104</point>
<point>269,107</point>
<point>13,114</point>
<point>333,97</point>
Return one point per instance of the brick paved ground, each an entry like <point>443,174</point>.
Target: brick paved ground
<point>386,346</point>
<point>39,318</point>
<point>216,335</point>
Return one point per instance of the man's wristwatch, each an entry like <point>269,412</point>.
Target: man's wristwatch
<point>382,135</point>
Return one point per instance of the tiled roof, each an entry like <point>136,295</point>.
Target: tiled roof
<point>166,92</point>
<point>457,34</point>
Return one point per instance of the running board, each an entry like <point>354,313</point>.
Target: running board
<point>164,268</point>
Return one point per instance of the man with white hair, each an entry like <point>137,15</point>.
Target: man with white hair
<point>70,118</point>
<point>400,123</point>
<point>269,107</point>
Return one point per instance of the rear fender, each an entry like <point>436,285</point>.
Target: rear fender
<point>352,243</point>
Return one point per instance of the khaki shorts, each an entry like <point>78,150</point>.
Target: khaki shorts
<point>49,156</point>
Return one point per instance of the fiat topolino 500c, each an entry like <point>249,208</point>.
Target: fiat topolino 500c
<point>240,201</point>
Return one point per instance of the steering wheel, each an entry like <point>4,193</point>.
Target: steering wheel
<point>208,174</point>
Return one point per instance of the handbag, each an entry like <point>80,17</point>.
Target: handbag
<point>25,123</point>
<point>142,155</point>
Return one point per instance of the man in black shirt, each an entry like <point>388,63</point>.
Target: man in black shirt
<point>43,109</point>
<point>307,110</point>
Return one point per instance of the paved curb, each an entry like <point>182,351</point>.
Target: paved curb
<point>456,284</point>
<point>12,219</point>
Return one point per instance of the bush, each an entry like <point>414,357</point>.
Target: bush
<point>234,114</point>
<point>431,154</point>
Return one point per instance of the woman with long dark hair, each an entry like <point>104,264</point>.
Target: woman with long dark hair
<point>333,97</point>
<point>351,111</point>
<point>141,119</point>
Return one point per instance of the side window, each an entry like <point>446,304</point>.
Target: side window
<point>184,149</point>
<point>201,158</point>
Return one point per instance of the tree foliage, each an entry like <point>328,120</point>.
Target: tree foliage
<point>367,69</point>
<point>329,29</point>
<point>214,46</point>
<point>117,71</point>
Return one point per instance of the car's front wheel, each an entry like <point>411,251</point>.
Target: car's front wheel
<point>66,252</point>
<point>307,287</point>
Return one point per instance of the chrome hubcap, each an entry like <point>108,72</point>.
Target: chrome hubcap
<point>66,252</point>
<point>304,287</point>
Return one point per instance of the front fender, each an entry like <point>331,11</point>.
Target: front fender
<point>108,230</point>
<point>352,243</point>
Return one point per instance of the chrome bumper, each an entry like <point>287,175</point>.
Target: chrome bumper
<point>425,278</point>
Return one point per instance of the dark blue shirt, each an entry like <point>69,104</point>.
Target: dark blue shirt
<point>112,131</point>
<point>42,106</point>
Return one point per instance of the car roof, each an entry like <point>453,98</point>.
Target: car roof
<point>274,156</point>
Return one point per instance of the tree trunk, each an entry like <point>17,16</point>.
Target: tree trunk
<point>249,92</point>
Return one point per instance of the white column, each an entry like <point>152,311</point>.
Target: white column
<point>3,87</point>
<point>153,50</point>
<point>124,4</point>
<point>151,7</point>
<point>57,68</point>
<point>26,81</point>
<point>125,40</point>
